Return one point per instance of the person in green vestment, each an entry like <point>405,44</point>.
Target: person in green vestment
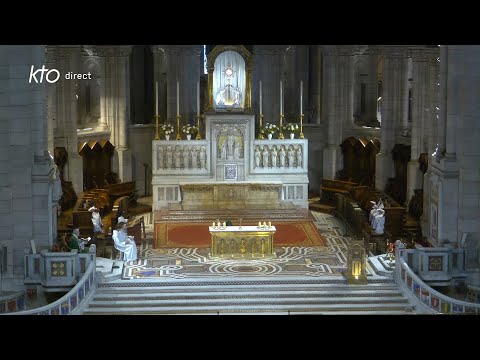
<point>75,242</point>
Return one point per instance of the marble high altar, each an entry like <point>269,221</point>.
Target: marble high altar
<point>229,159</point>
<point>229,167</point>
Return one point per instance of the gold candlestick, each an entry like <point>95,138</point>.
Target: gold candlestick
<point>260,133</point>
<point>280,136</point>
<point>157,133</point>
<point>198,137</point>
<point>178,128</point>
<point>301,127</point>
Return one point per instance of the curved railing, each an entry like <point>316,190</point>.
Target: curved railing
<point>432,301</point>
<point>12,302</point>
<point>70,301</point>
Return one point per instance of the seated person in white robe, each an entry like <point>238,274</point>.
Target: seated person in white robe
<point>375,211</point>
<point>379,222</point>
<point>124,243</point>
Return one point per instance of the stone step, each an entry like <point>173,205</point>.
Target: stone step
<point>244,288</point>
<point>171,295</point>
<point>285,308</point>
<point>243,300</point>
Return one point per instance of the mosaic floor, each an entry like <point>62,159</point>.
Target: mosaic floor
<point>181,263</point>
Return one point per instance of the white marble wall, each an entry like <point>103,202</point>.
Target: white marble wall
<point>28,190</point>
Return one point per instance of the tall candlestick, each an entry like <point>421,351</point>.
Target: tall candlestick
<point>156,98</point>
<point>281,98</point>
<point>260,97</point>
<point>301,96</point>
<point>178,98</point>
<point>198,98</point>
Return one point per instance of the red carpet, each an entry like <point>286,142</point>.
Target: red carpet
<point>197,235</point>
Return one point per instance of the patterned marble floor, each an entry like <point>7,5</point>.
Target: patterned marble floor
<point>181,263</point>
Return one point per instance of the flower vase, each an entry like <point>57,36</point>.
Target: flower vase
<point>269,136</point>
<point>167,137</point>
<point>189,136</point>
<point>292,136</point>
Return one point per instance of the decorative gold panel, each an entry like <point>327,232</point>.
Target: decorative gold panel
<point>58,268</point>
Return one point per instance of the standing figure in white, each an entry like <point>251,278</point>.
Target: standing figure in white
<point>299,156</point>
<point>283,154</point>
<point>274,157</point>
<point>290,154</point>
<point>265,156</point>
<point>257,156</point>
<point>203,158</point>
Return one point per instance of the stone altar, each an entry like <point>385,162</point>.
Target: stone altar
<point>242,242</point>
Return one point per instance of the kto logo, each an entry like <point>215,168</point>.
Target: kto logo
<point>48,75</point>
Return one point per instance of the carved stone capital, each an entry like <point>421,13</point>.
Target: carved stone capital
<point>114,50</point>
<point>395,52</point>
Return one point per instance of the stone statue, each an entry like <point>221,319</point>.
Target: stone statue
<point>169,157</point>
<point>224,150</point>
<point>177,157</point>
<point>274,156</point>
<point>257,156</point>
<point>236,151</point>
<point>265,156</point>
<point>203,158</point>
<point>299,156</point>
<point>283,154</point>
<point>160,158</point>
<point>194,158</point>
<point>290,154</point>
<point>186,157</point>
<point>230,146</point>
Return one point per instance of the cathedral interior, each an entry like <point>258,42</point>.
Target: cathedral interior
<point>319,179</point>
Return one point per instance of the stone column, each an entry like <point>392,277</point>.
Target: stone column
<point>25,210</point>
<point>68,59</point>
<point>117,102</point>
<point>315,84</point>
<point>431,129</point>
<point>372,88</point>
<point>338,64</point>
<point>331,151</point>
<point>445,213</point>
<point>391,113</point>
<point>51,63</point>
<point>420,112</point>
<point>160,62</point>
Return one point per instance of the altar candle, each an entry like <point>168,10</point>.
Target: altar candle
<point>213,225</point>
<point>224,224</point>
<point>259,224</point>
<point>156,98</point>
<point>301,96</point>
<point>260,98</point>
<point>178,98</point>
<point>198,98</point>
<point>264,224</point>
<point>269,224</point>
<point>281,98</point>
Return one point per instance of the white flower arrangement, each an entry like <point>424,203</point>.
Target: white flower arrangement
<point>167,129</point>
<point>270,129</point>
<point>189,129</point>
<point>291,127</point>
